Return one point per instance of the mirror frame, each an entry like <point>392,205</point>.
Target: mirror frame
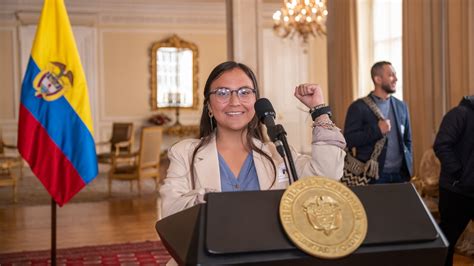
<point>175,42</point>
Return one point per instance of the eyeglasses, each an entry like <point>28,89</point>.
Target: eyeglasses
<point>223,94</point>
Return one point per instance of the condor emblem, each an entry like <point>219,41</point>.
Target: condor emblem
<point>323,213</point>
<point>51,83</point>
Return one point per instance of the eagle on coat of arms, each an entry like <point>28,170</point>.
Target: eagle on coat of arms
<point>51,83</point>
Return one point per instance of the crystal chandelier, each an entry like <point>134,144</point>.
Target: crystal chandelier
<point>301,16</point>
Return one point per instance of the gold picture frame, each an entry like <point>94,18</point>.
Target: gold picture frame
<point>170,58</point>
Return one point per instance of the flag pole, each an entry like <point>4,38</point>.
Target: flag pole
<point>54,74</point>
<point>53,232</point>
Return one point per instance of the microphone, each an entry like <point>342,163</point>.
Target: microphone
<point>265,112</point>
<point>266,115</point>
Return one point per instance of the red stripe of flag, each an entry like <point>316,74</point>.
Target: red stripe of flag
<point>45,158</point>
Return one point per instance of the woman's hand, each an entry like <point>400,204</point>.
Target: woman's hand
<point>310,95</point>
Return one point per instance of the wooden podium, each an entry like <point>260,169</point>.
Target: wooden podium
<point>244,228</point>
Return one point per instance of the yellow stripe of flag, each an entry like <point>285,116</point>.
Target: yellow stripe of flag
<point>54,41</point>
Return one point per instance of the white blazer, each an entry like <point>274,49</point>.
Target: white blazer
<point>177,194</point>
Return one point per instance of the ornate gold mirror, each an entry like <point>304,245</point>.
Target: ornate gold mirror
<point>174,74</point>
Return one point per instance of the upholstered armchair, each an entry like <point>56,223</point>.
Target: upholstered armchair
<point>428,176</point>
<point>11,167</point>
<point>4,146</point>
<point>145,163</point>
<point>427,180</point>
<point>120,142</point>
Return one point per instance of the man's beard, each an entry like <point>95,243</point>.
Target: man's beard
<point>387,88</point>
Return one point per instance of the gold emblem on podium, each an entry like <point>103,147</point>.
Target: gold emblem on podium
<point>323,217</point>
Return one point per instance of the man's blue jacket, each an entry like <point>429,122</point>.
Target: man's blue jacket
<point>362,132</point>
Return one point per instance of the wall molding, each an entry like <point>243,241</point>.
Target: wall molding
<point>8,18</point>
<point>9,126</point>
<point>15,67</point>
<point>170,20</point>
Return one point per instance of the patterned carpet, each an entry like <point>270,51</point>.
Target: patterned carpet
<point>142,253</point>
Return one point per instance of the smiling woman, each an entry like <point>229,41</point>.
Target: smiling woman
<point>232,154</point>
<point>229,111</point>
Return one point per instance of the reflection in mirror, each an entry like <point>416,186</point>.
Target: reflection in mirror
<point>175,77</point>
<point>174,74</point>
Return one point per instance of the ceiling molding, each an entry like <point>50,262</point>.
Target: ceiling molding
<point>170,20</point>
<point>31,18</point>
<point>143,7</point>
<point>194,14</point>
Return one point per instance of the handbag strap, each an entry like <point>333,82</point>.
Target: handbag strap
<point>373,107</point>
<point>372,166</point>
<point>381,142</point>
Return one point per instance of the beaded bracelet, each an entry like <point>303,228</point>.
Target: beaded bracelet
<point>324,123</point>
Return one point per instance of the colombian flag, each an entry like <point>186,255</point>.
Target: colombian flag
<point>55,131</point>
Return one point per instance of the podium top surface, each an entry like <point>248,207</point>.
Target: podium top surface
<point>249,221</point>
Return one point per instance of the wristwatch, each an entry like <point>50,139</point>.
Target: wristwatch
<point>317,111</point>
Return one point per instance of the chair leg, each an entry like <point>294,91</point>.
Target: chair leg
<point>139,187</point>
<point>15,200</point>
<point>21,170</point>
<point>110,185</point>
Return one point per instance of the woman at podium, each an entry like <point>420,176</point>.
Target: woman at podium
<point>233,154</point>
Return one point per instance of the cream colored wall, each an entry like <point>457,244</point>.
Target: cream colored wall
<point>117,54</point>
<point>121,91</point>
<point>7,95</point>
<point>126,71</point>
<point>121,56</point>
<point>125,74</point>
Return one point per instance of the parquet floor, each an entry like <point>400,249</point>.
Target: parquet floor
<point>78,224</point>
<point>82,224</point>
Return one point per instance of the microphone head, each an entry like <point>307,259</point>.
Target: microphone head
<point>264,108</point>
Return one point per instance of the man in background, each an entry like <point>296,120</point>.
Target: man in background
<point>454,146</point>
<point>363,129</point>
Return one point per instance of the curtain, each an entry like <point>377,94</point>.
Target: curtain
<point>458,49</point>
<point>342,57</point>
<point>436,63</point>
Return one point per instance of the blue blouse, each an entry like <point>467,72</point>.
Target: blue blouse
<point>247,179</point>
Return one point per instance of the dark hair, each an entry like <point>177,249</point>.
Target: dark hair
<point>377,68</point>
<point>254,130</point>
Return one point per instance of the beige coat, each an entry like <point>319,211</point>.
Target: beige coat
<point>177,194</point>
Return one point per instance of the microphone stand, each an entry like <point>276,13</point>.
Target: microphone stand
<point>278,133</point>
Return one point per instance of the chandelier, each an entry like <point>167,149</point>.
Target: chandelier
<point>301,16</point>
